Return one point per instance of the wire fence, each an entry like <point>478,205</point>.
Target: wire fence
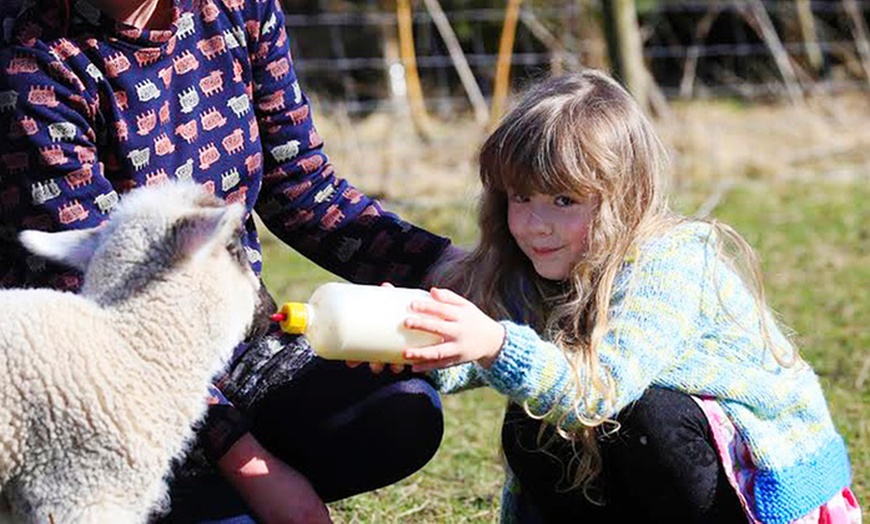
<point>691,48</point>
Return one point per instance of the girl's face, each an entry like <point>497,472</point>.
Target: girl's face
<point>552,230</point>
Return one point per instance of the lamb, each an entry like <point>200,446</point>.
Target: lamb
<point>100,389</point>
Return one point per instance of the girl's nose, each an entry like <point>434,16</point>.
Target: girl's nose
<point>538,223</point>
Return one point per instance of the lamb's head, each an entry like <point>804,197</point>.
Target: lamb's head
<point>174,239</point>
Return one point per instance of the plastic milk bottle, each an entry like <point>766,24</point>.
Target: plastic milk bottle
<point>357,322</point>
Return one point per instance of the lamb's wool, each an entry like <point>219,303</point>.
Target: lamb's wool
<point>100,390</point>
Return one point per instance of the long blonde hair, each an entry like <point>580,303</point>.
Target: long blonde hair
<point>580,134</point>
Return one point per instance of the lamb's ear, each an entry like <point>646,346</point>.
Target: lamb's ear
<point>73,248</point>
<point>197,234</point>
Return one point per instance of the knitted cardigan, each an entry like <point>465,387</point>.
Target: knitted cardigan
<point>680,318</point>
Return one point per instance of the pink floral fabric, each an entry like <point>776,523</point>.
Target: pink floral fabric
<point>737,461</point>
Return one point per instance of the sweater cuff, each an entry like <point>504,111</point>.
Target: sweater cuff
<point>511,368</point>
<point>223,426</point>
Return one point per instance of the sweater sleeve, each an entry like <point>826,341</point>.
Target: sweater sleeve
<point>304,203</point>
<point>458,378</point>
<point>52,177</point>
<point>653,314</point>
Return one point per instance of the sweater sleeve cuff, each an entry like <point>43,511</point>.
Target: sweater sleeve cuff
<point>223,426</point>
<point>512,367</point>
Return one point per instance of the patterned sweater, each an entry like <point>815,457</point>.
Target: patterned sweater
<point>93,109</point>
<point>681,319</point>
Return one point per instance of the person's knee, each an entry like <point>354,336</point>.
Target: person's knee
<point>386,437</point>
<point>663,418</point>
<point>664,429</point>
<point>418,419</point>
<point>664,449</point>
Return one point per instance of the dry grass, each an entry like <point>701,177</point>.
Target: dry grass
<point>725,139</point>
<point>710,140</point>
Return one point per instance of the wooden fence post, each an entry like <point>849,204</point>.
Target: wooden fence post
<point>625,48</point>
<point>466,76</point>
<point>860,32</point>
<point>503,65</point>
<point>760,21</point>
<point>405,22</point>
<point>807,24</point>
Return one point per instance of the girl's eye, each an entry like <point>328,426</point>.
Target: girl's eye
<point>518,198</point>
<point>563,201</point>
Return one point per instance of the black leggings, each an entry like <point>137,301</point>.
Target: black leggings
<point>347,430</point>
<point>661,466</point>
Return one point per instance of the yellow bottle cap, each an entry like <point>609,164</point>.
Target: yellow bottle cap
<point>296,318</point>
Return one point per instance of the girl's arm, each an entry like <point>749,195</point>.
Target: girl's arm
<point>652,315</point>
<point>454,379</point>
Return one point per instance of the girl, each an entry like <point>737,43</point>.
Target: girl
<point>646,377</point>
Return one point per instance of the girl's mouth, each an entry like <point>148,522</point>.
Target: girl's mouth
<point>544,251</point>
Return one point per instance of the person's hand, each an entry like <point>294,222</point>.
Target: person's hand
<point>377,367</point>
<point>276,492</point>
<point>468,333</point>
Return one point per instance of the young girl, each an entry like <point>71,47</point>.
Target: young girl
<point>647,379</point>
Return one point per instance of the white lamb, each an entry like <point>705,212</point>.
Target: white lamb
<point>100,390</point>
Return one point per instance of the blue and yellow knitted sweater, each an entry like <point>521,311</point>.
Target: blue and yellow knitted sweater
<point>681,319</point>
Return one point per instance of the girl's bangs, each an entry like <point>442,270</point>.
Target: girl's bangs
<point>529,164</point>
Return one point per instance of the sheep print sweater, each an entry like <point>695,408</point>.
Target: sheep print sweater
<point>681,319</point>
<point>95,108</point>
<point>214,99</point>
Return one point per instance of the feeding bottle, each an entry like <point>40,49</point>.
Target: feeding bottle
<point>357,322</point>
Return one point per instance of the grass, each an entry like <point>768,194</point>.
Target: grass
<point>813,239</point>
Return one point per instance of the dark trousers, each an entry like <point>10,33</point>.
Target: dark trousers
<point>661,466</point>
<point>347,430</point>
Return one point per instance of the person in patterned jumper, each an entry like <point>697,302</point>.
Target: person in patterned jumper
<point>647,379</point>
<point>101,96</point>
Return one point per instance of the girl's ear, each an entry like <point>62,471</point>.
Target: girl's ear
<point>73,248</point>
<point>197,234</point>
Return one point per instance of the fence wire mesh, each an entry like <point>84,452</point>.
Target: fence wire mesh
<point>345,52</point>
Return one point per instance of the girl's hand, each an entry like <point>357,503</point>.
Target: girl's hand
<point>469,334</point>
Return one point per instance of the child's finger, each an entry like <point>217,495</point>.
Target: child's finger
<point>431,325</point>
<point>423,367</point>
<point>435,309</point>
<point>431,353</point>
<point>448,297</point>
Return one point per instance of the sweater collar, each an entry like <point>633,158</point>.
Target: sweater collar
<point>87,18</point>
<point>24,21</point>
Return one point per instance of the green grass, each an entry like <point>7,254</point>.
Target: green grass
<point>814,244</point>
